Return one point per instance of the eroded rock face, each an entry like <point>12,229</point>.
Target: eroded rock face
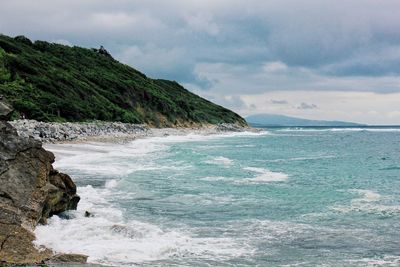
<point>30,191</point>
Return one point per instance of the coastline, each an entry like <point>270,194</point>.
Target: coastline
<point>156,133</point>
<point>107,132</point>
<point>98,131</point>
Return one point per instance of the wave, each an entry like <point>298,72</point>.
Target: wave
<point>111,159</point>
<point>386,260</point>
<point>215,178</point>
<point>107,237</point>
<point>368,202</point>
<point>199,137</point>
<point>264,176</point>
<point>220,161</point>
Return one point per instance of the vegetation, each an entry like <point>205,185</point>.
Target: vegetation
<point>53,82</point>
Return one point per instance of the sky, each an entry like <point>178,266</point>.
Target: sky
<point>316,59</point>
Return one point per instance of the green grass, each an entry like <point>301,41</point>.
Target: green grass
<point>53,82</point>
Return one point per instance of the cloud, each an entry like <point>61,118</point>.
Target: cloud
<point>304,105</point>
<point>229,49</point>
<point>275,67</point>
<point>279,102</point>
<point>202,23</point>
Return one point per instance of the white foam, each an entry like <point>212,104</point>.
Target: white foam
<point>109,238</point>
<point>264,176</point>
<point>220,161</point>
<point>111,160</point>
<point>368,202</point>
<point>366,195</point>
<point>111,183</point>
<point>215,178</point>
<point>386,260</point>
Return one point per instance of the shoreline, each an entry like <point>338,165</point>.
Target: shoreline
<point>119,137</point>
<point>105,132</point>
<point>219,130</point>
<point>99,131</point>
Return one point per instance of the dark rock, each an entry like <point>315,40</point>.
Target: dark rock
<point>30,191</point>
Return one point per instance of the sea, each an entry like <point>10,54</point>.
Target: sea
<point>279,197</point>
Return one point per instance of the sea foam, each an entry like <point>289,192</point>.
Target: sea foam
<point>107,237</point>
<point>264,176</point>
<point>368,201</point>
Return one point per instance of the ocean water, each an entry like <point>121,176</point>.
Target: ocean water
<point>281,197</point>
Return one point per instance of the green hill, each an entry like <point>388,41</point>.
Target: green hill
<point>53,82</point>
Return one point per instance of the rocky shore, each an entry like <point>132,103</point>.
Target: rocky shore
<point>59,132</point>
<point>30,192</point>
<point>108,131</point>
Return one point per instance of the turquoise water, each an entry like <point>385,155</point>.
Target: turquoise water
<point>284,197</point>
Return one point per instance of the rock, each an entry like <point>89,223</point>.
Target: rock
<point>5,110</point>
<point>30,191</point>
<point>16,246</point>
<point>76,258</point>
<point>55,132</point>
<point>228,127</point>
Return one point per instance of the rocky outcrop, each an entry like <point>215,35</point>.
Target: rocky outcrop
<point>30,191</point>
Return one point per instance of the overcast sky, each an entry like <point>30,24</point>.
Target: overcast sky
<point>318,59</point>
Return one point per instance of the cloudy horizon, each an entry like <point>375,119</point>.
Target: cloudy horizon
<point>316,59</point>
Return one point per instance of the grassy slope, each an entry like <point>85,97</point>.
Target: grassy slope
<point>53,82</point>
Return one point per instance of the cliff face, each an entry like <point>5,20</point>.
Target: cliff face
<point>30,191</point>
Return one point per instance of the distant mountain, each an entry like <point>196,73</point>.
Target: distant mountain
<point>282,120</point>
<point>52,82</point>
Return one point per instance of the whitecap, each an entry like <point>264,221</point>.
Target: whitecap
<point>386,260</point>
<point>220,161</point>
<point>107,237</point>
<point>111,183</point>
<point>264,176</point>
<point>215,178</point>
<point>366,195</point>
<point>367,201</point>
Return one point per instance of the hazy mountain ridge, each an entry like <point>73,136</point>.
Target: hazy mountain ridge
<point>53,82</point>
<point>282,120</point>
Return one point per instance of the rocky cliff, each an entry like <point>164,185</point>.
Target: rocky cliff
<point>30,191</point>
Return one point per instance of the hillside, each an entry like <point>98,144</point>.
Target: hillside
<point>52,82</point>
<point>282,120</point>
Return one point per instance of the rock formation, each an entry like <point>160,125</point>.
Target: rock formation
<point>30,191</point>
